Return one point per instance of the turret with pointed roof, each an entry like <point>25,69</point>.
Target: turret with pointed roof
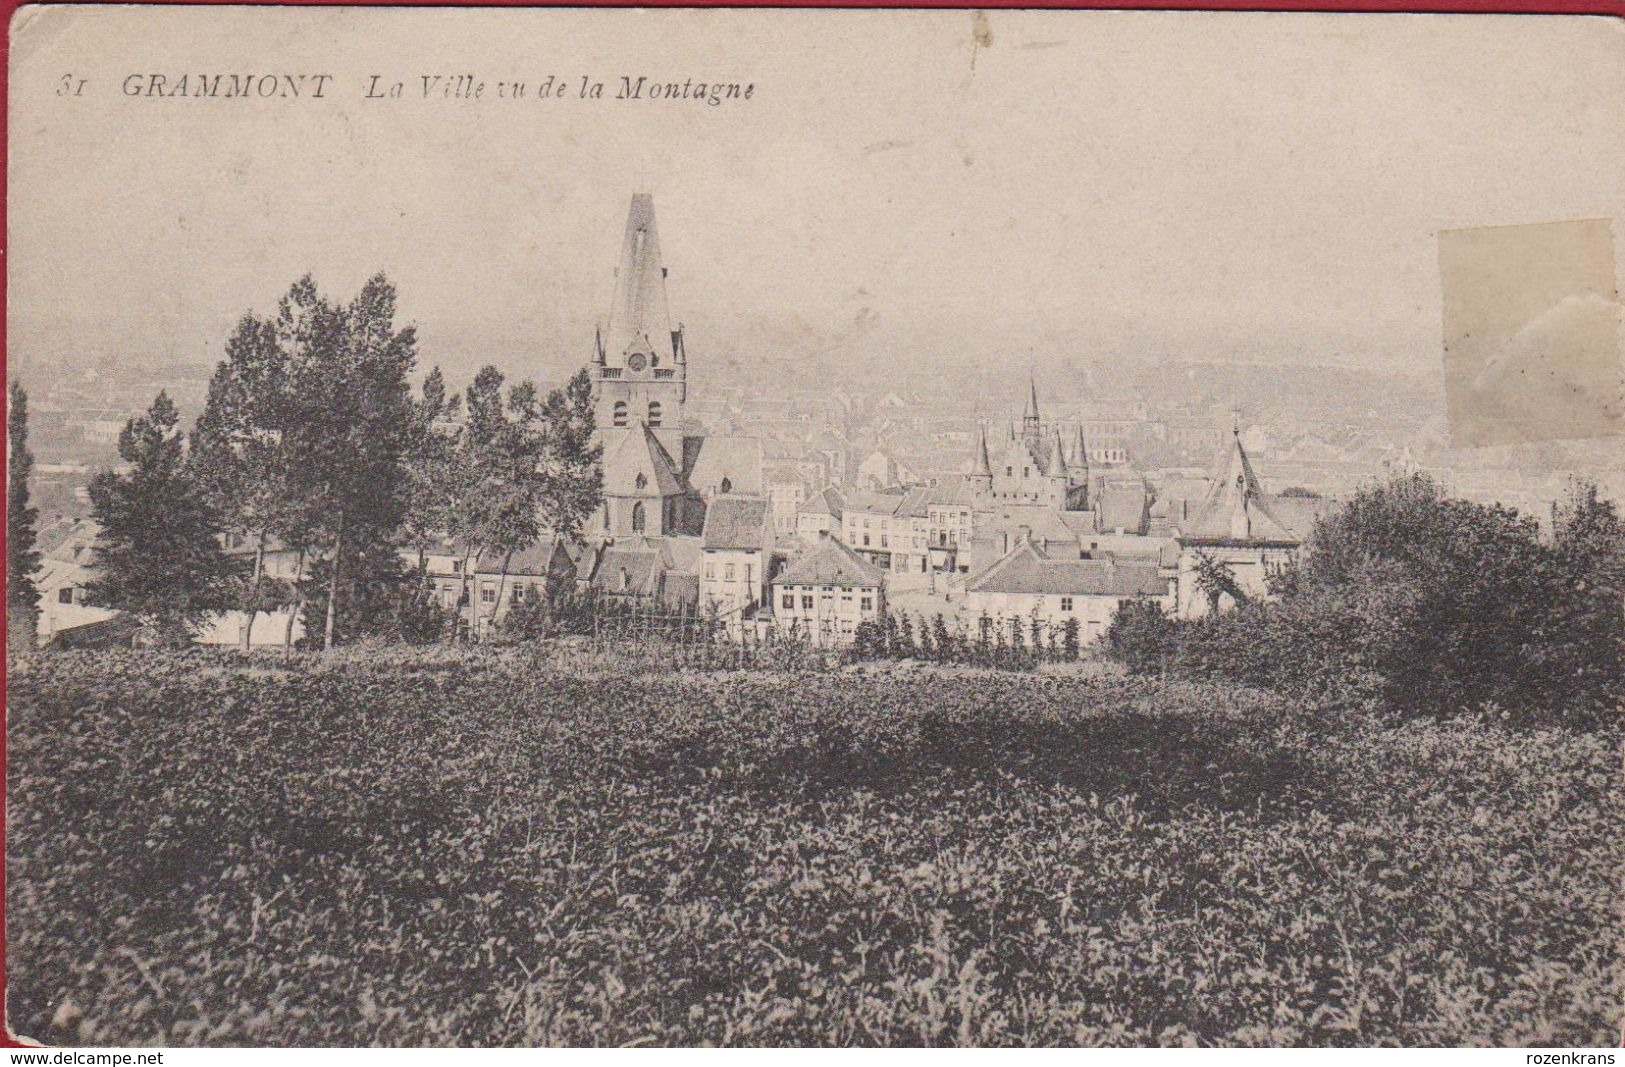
<point>1236,509</point>
<point>981,471</point>
<point>1055,460</point>
<point>1079,467</point>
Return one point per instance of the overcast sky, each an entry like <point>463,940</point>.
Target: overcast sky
<point>1075,186</point>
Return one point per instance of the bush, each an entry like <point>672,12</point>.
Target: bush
<point>1411,600</point>
<point>1141,637</point>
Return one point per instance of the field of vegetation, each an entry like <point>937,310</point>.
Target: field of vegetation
<point>523,846</point>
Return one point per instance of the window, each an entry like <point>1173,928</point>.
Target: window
<point>727,572</point>
<point>606,516</point>
<point>488,594</point>
<point>1009,472</point>
<point>727,485</point>
<point>518,595</point>
<point>711,571</point>
<point>789,602</point>
<point>654,413</point>
<point>619,413</point>
<point>626,580</point>
<point>1066,603</point>
<point>640,481</point>
<point>749,573</point>
<point>868,603</point>
<point>64,596</point>
<point>882,540</point>
<point>456,566</point>
<point>807,602</point>
<point>865,540</point>
<point>637,517</point>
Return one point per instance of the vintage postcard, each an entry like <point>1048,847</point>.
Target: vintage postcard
<point>573,527</point>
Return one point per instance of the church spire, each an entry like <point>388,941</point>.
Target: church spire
<point>1031,425</point>
<point>638,318</point>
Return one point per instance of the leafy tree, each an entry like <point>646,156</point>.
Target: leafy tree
<point>498,476</point>
<point>574,478</point>
<point>241,448</point>
<point>1215,581</point>
<point>430,468</point>
<point>22,559</point>
<point>156,556</point>
<point>368,422</point>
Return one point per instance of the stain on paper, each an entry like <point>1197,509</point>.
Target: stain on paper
<point>1531,333</point>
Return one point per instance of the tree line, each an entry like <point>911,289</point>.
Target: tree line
<point>313,442</point>
<point>1408,600</point>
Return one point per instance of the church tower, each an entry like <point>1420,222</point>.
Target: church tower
<point>639,368</point>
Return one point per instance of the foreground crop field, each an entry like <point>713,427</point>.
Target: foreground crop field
<point>478,847</point>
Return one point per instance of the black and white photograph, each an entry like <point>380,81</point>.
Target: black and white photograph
<point>593,527</point>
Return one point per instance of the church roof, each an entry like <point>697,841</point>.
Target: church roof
<point>831,563</point>
<point>638,318</point>
<point>738,522</point>
<point>639,451</point>
<point>1236,508</point>
<point>1026,569</point>
<point>738,459</point>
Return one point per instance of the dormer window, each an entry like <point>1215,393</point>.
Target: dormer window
<point>640,481</point>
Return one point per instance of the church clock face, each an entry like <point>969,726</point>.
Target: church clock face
<point>634,362</point>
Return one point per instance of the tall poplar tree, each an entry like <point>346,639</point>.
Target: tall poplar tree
<point>22,559</point>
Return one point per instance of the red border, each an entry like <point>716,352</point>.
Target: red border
<point>8,8</point>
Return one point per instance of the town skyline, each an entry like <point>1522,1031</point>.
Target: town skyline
<point>917,221</point>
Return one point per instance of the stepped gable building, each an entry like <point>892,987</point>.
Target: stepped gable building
<point>652,469</point>
<point>1031,465</point>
